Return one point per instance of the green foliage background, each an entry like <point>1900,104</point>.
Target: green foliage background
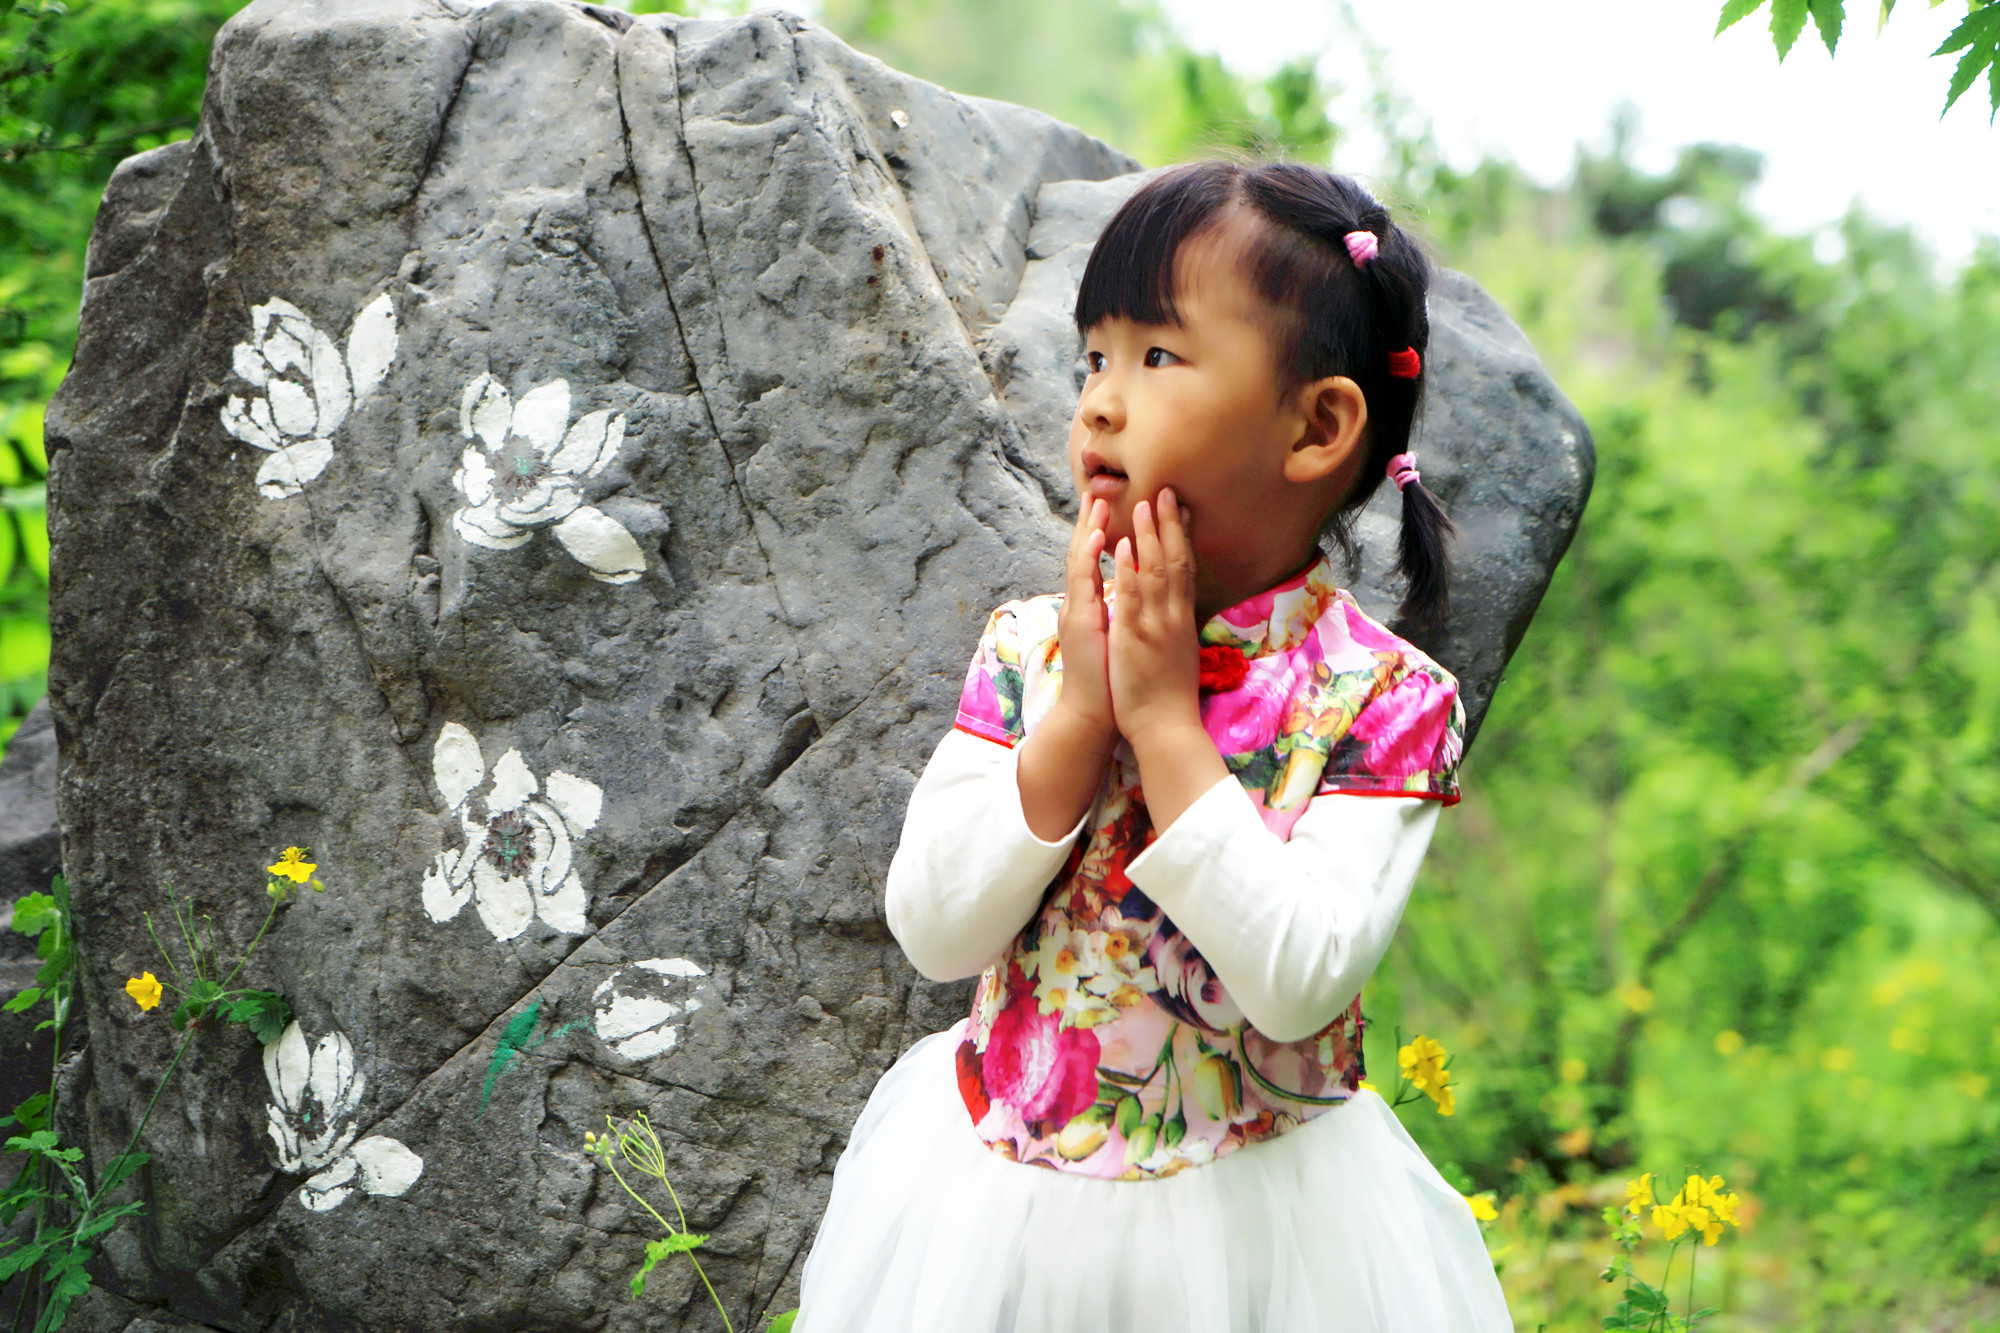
<point>1725,888</point>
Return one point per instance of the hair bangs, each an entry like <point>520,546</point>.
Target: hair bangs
<point>1131,270</point>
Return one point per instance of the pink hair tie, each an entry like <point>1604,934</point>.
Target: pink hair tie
<point>1403,470</point>
<point>1406,364</point>
<point>1362,246</point>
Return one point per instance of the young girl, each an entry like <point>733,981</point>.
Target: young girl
<point>1174,830</point>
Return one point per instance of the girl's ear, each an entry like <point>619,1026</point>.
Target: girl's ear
<point>1335,416</point>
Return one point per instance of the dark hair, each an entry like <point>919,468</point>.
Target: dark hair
<point>1330,316</point>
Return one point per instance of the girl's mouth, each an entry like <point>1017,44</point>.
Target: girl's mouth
<point>1101,480</point>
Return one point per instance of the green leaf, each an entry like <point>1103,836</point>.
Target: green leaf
<point>1735,12</point>
<point>24,1001</point>
<point>782,1323</point>
<point>1788,20</point>
<point>1129,1115</point>
<point>34,914</point>
<point>1969,67</point>
<point>187,1011</point>
<point>74,1281</point>
<point>104,1222</point>
<point>264,1012</point>
<point>1827,16</point>
<point>1981,25</point>
<point>656,1250</point>
<point>121,1169</point>
<point>33,1114</point>
<point>13,1261</point>
<point>40,1140</point>
<point>1644,1296</point>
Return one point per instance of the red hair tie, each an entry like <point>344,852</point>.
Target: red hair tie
<point>1403,470</point>
<point>1406,364</point>
<point>1222,667</point>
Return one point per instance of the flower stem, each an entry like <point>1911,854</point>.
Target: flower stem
<point>269,917</point>
<point>93,1198</point>
<point>1660,1320</point>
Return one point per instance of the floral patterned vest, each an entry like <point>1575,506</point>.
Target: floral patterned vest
<point>1101,1043</point>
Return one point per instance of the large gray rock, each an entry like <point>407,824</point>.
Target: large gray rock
<point>30,856</point>
<point>30,843</point>
<point>623,785</point>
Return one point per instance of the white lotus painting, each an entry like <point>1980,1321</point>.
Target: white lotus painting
<point>525,474</point>
<point>638,1011</point>
<point>521,835</point>
<point>304,386</point>
<point>315,1094</point>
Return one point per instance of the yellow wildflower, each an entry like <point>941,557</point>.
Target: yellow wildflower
<point>1702,1206</point>
<point>145,990</point>
<point>1639,1193</point>
<point>1422,1062</point>
<point>294,866</point>
<point>1482,1205</point>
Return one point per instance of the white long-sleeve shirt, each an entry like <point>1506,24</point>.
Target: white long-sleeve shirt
<point>1291,927</point>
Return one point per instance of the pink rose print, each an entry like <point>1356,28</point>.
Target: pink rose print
<point>1045,1071</point>
<point>1246,718</point>
<point>1403,727</point>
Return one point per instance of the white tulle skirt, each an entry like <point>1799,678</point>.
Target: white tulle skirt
<point>1341,1226</point>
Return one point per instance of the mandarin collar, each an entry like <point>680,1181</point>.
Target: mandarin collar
<point>1279,618</point>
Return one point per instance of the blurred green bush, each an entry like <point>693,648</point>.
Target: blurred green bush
<point>81,87</point>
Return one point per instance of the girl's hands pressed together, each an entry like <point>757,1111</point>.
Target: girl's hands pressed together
<point>1085,646</point>
<point>1155,662</point>
<point>1155,659</point>
<point>1062,759</point>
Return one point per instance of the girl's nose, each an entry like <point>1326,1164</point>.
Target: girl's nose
<point>1102,407</point>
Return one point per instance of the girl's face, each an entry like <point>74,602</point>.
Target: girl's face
<point>1199,407</point>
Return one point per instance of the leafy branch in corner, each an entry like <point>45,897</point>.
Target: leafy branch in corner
<point>1976,41</point>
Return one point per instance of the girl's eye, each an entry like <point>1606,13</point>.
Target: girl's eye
<point>1094,360</point>
<point>1159,356</point>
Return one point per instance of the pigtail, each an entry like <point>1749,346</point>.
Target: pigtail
<point>1395,273</point>
<point>1423,551</point>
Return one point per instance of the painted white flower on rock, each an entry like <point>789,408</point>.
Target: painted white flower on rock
<point>636,1007</point>
<point>519,858</point>
<point>528,476</point>
<point>315,1092</point>
<point>305,388</point>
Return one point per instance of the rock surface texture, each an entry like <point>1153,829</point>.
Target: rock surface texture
<point>556,468</point>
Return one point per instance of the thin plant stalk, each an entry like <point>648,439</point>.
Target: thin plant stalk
<point>655,1166</point>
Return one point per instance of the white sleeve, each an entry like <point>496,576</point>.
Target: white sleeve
<point>968,872</point>
<point>1292,928</point>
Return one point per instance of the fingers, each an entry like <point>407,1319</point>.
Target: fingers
<point>1086,544</point>
<point>1176,552</point>
<point>1126,578</point>
<point>1146,539</point>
